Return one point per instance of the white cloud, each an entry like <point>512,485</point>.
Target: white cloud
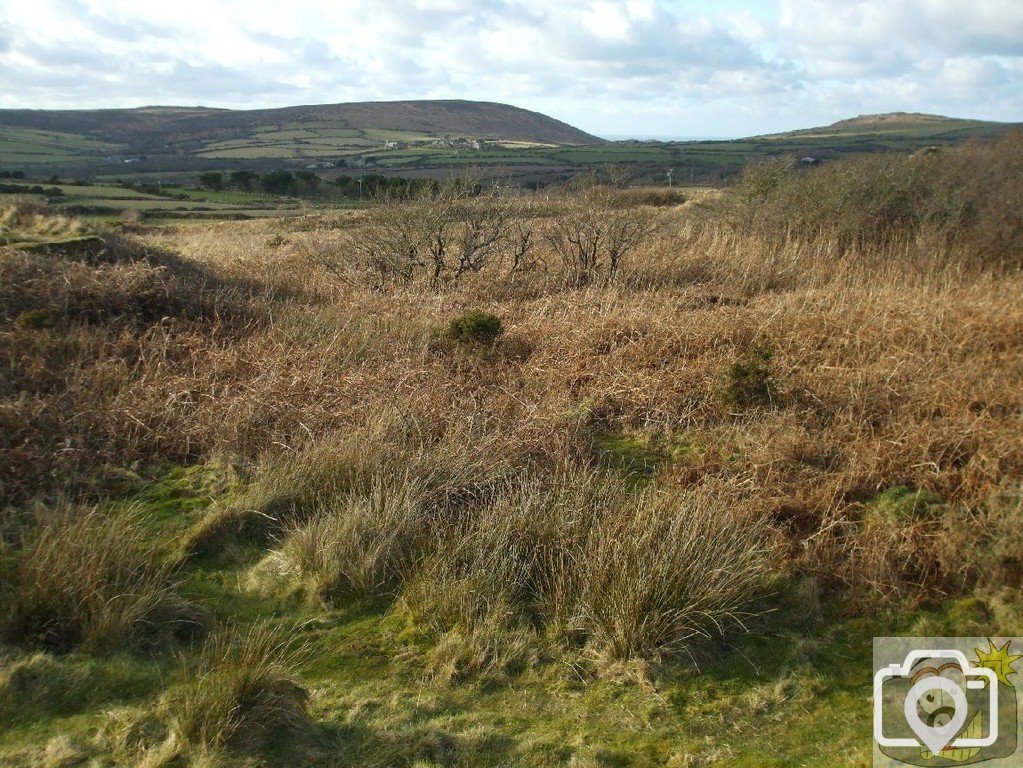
<point>647,66</point>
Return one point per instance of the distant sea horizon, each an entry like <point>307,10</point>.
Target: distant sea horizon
<point>663,137</point>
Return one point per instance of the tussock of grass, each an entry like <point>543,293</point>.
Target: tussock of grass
<point>360,546</point>
<point>32,222</point>
<point>35,683</point>
<point>82,578</point>
<point>627,576</point>
<point>240,693</point>
<point>684,566</point>
<point>385,456</point>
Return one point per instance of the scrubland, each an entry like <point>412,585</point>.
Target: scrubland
<point>475,480</point>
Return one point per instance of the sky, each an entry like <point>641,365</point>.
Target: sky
<point>633,68</point>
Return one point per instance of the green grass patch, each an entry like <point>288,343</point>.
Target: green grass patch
<point>794,692</point>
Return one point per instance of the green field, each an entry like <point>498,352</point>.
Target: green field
<point>31,146</point>
<point>112,202</point>
<point>294,144</point>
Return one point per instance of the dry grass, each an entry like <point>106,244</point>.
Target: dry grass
<point>240,693</point>
<point>79,578</point>
<point>895,361</point>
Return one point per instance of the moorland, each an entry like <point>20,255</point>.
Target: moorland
<point>597,477</point>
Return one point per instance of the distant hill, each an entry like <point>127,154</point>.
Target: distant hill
<point>424,139</point>
<point>152,128</point>
<point>904,123</point>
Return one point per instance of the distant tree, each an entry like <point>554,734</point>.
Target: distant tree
<point>375,186</point>
<point>212,180</point>
<point>277,182</point>
<point>307,182</point>
<point>244,180</point>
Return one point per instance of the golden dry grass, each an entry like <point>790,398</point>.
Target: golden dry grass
<point>896,362</point>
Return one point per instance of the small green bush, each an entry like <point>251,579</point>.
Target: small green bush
<point>37,319</point>
<point>748,381</point>
<point>476,327</point>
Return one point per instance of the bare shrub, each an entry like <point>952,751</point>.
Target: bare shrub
<point>390,244</point>
<point>655,196</point>
<point>593,235</point>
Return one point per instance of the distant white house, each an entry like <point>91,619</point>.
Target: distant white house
<point>395,144</point>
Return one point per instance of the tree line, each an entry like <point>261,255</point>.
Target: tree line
<point>306,183</point>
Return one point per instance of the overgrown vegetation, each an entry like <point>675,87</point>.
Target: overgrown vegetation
<point>968,197</point>
<point>469,478</point>
<point>85,579</point>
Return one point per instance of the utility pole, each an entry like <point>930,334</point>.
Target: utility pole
<point>360,187</point>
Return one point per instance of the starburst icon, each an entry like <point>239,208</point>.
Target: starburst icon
<point>998,660</point>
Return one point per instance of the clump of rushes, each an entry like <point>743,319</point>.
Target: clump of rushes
<point>630,577</point>
<point>240,693</point>
<point>476,327</point>
<point>82,578</point>
<point>358,546</point>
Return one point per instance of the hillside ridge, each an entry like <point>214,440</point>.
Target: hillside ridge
<point>140,127</point>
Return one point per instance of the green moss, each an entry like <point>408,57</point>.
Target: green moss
<point>37,319</point>
<point>901,504</point>
<point>638,455</point>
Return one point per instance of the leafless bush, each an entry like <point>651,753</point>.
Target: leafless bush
<point>593,235</point>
